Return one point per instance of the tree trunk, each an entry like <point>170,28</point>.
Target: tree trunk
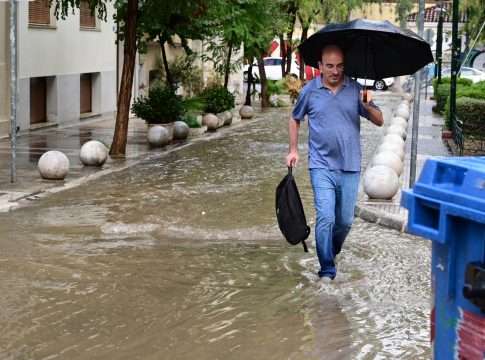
<point>250,82</point>
<point>262,78</point>
<point>168,73</point>
<point>120,137</point>
<point>289,37</point>
<point>304,36</point>
<point>283,55</point>
<point>289,50</point>
<point>227,66</point>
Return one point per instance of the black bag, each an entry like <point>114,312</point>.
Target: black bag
<point>290,213</point>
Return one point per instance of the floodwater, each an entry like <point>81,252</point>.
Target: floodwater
<point>180,257</point>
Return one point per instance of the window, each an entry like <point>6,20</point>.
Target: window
<point>87,17</point>
<point>39,13</point>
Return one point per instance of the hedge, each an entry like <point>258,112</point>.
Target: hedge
<point>468,110</point>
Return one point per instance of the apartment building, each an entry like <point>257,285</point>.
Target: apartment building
<point>66,69</point>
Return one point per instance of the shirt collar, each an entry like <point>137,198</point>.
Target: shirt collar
<point>320,83</point>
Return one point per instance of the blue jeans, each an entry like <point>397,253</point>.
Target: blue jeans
<point>335,194</point>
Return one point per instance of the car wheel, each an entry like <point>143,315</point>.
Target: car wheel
<point>380,85</point>
<point>245,76</point>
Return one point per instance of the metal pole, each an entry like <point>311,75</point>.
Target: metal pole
<point>455,53</point>
<point>13,90</point>
<point>439,45</point>
<point>417,96</point>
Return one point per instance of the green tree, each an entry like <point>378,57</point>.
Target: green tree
<point>403,8</point>
<point>229,26</point>
<point>127,19</point>
<point>475,11</point>
<point>264,22</point>
<point>161,20</point>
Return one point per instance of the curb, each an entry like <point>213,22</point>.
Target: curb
<point>379,217</point>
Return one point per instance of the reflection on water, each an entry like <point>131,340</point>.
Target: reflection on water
<point>181,258</point>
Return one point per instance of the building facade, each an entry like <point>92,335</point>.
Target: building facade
<point>66,69</point>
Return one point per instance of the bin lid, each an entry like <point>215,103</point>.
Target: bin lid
<point>457,180</point>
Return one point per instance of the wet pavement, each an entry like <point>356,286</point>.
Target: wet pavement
<point>176,254</point>
<point>69,140</point>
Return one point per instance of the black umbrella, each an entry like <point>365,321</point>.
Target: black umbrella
<point>373,49</point>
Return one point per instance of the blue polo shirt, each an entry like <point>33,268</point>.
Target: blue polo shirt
<point>334,124</point>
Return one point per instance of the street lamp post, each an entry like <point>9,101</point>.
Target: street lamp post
<point>439,41</point>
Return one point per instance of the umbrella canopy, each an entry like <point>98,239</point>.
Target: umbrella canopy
<point>373,49</point>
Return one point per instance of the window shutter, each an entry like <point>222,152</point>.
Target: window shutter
<point>39,13</point>
<point>87,20</point>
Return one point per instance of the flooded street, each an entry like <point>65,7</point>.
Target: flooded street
<point>180,257</point>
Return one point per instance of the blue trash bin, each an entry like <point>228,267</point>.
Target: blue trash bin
<point>447,206</point>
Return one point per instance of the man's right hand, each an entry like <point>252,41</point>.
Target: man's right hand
<point>292,159</point>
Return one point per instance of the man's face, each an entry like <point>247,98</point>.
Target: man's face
<point>332,67</point>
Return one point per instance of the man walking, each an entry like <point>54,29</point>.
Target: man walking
<point>334,104</point>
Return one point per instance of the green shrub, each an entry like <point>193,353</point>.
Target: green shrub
<point>471,111</point>
<point>447,81</point>
<point>192,122</point>
<point>218,99</point>
<point>474,92</point>
<point>468,91</point>
<point>161,106</point>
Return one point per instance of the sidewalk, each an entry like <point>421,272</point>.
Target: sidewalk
<point>31,146</point>
<point>29,184</point>
<point>389,213</point>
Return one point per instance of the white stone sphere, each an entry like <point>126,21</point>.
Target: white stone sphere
<point>246,112</point>
<point>222,116</point>
<point>158,136</point>
<point>401,112</point>
<point>397,120</point>
<point>228,120</point>
<point>394,147</point>
<point>93,153</point>
<point>395,138</point>
<point>408,97</point>
<point>397,129</point>
<point>53,165</point>
<point>390,159</point>
<point>180,130</point>
<point>405,103</point>
<point>380,182</point>
<point>211,121</point>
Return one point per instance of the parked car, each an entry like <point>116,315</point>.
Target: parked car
<point>377,84</point>
<point>272,68</point>
<point>473,74</point>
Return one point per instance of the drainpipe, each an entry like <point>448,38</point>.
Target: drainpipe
<point>13,90</point>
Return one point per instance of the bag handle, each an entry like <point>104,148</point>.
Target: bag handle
<point>305,248</point>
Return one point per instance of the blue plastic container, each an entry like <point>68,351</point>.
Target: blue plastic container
<point>447,206</point>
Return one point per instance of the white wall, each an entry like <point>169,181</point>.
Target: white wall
<point>65,49</point>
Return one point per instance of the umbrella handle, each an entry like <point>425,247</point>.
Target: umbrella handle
<point>364,95</point>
